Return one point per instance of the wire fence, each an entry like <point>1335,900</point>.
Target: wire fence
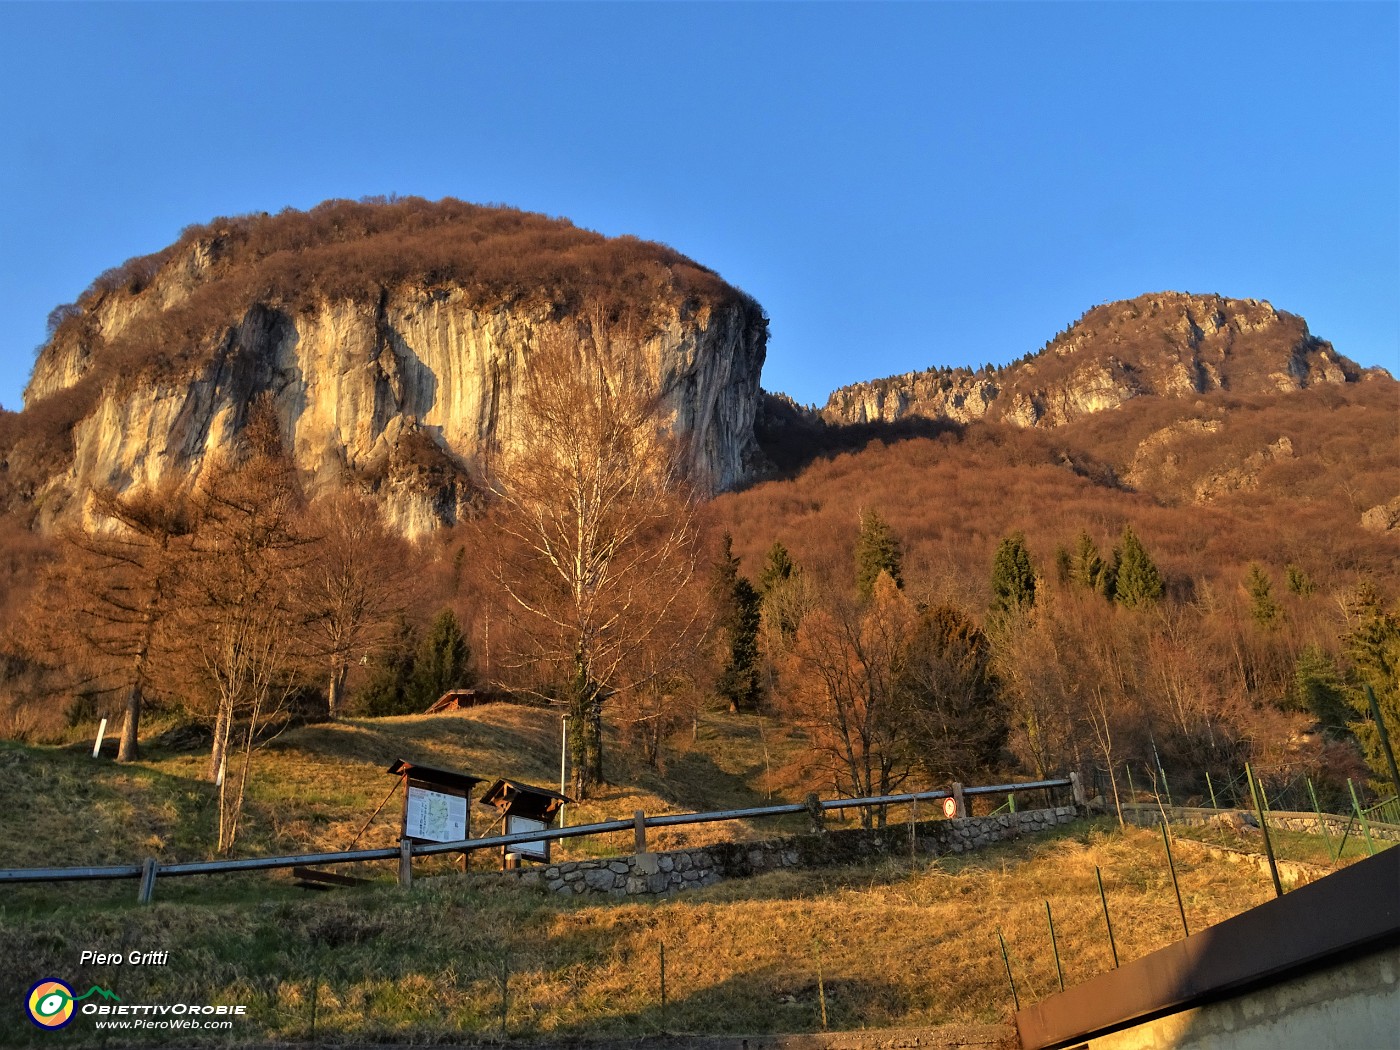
<point>1308,823</point>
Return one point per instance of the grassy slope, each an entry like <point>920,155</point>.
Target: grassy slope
<point>897,943</point>
<point>314,787</point>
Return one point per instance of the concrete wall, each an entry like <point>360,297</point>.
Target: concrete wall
<point>1353,1005</point>
<point>658,874</point>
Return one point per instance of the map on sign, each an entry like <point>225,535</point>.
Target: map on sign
<point>435,817</point>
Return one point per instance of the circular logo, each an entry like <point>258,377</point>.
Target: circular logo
<point>50,1003</point>
<point>950,808</point>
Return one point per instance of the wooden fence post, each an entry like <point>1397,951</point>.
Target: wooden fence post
<point>406,863</point>
<point>639,825</point>
<point>959,800</point>
<point>147,889</point>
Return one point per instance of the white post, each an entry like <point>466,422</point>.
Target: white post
<point>101,731</point>
<point>563,766</point>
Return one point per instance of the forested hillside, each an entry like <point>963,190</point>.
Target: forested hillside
<point>1215,578</point>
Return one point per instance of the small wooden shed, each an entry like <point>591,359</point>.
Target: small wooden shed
<point>457,700</point>
<point>525,808</point>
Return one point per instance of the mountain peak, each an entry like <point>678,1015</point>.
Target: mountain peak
<point>1163,344</point>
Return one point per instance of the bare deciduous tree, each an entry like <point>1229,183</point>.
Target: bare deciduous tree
<point>353,584</point>
<point>113,586</point>
<point>242,616</point>
<point>598,526</point>
<point>843,683</point>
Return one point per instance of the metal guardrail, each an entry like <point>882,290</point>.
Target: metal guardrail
<point>408,849</point>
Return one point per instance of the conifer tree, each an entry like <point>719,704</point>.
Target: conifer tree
<point>1137,581</point>
<point>1265,610</point>
<point>388,687</point>
<point>1318,689</point>
<point>785,599</point>
<point>777,569</point>
<point>1373,644</point>
<point>1298,581</point>
<point>737,614</point>
<point>1089,570</point>
<point>1013,575</point>
<point>442,662</point>
<point>877,550</point>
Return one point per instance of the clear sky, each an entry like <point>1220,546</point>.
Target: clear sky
<point>899,185</point>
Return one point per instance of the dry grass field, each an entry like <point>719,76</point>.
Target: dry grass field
<point>903,943</point>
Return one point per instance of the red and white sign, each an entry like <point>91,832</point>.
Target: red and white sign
<point>950,807</point>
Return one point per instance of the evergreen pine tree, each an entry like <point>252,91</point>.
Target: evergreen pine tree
<point>738,613</point>
<point>782,593</point>
<point>877,551</point>
<point>777,569</point>
<point>1013,575</point>
<point>1137,580</point>
<point>1298,581</point>
<point>386,691</point>
<point>1318,690</point>
<point>1089,570</point>
<point>1265,610</point>
<point>1373,645</point>
<point>442,662</point>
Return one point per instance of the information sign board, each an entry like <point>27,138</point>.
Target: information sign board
<point>433,816</point>
<point>533,850</point>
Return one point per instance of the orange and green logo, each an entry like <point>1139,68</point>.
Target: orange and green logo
<point>50,1002</point>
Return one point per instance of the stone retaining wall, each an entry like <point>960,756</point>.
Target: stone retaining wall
<point>657,874</point>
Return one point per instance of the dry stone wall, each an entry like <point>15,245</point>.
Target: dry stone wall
<point>659,874</point>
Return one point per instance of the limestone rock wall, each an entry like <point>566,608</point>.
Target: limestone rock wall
<point>404,396</point>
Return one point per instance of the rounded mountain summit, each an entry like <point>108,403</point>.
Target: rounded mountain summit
<point>389,337</point>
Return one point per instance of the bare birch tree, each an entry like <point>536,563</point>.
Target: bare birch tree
<point>598,526</point>
<point>241,608</point>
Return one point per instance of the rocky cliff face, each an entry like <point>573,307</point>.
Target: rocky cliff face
<point>1169,344</point>
<point>402,393</point>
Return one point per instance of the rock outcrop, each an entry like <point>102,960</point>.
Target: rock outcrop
<point>400,384</point>
<point>1169,344</point>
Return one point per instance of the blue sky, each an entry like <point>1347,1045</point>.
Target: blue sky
<point>899,185</point>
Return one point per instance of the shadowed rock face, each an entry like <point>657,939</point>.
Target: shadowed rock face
<point>403,396</point>
<point>1169,344</point>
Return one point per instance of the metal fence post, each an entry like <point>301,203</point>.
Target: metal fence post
<point>1321,826</point>
<point>1113,947</point>
<point>1054,946</point>
<point>1257,791</point>
<point>1361,816</point>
